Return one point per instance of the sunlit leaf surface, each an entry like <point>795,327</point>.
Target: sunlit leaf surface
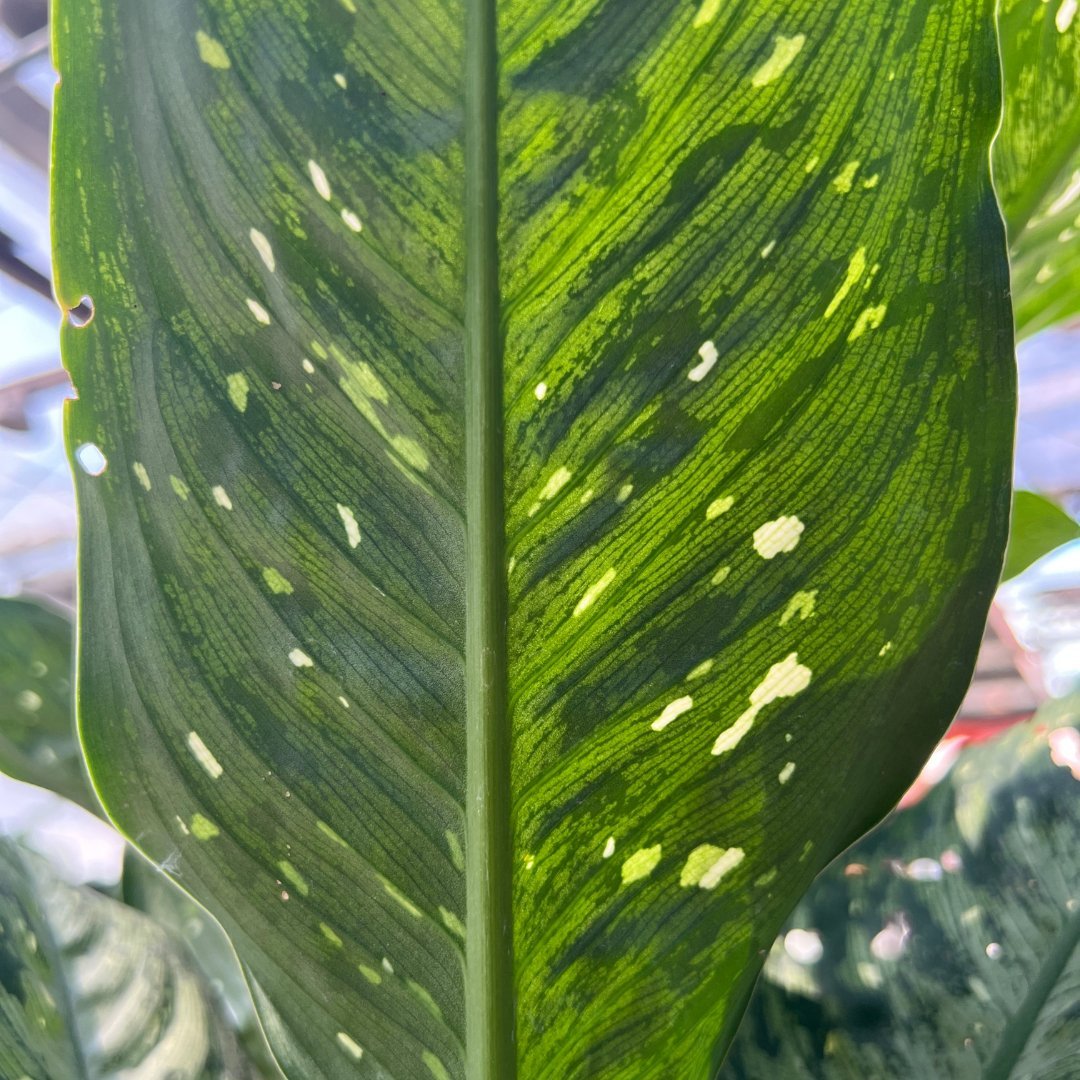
<point>91,990</point>
<point>557,466</point>
<point>1037,158</point>
<point>945,944</point>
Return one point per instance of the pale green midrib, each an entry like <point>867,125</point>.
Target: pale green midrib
<point>489,1004</point>
<point>1021,1024</point>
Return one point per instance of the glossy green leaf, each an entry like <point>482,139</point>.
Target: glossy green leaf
<point>1037,158</point>
<point>945,944</point>
<point>91,990</point>
<point>38,743</point>
<point>557,470</point>
<point>1038,527</point>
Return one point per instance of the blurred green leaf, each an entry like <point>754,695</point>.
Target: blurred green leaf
<point>1037,158</point>
<point>945,943</point>
<point>38,743</point>
<point>1038,527</point>
<point>146,888</point>
<point>92,990</point>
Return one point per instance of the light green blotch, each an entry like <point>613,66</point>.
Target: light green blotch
<point>361,375</point>
<point>844,179</point>
<point>425,998</point>
<point>293,876</point>
<point>435,1066</point>
<point>718,507</point>
<point>855,270</point>
<point>869,319</point>
<point>370,974</point>
<point>457,856</point>
<point>349,6</point>
<point>212,52</point>
<point>452,922</point>
<point>139,469</point>
<point>203,828</point>
<point>238,387</point>
<point>276,582</point>
<point>181,489</point>
<point>641,864</point>
<point>767,878</point>
<point>702,669</point>
<point>721,575</point>
<point>411,452</point>
<point>327,831</point>
<point>801,604</point>
<point>330,936</point>
<point>707,864</point>
<point>785,49</point>
<point>393,891</point>
<point>318,350</point>
<point>593,592</point>
<point>706,13</point>
<point>556,482</point>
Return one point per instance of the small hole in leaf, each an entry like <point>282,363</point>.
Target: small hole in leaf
<point>83,313</point>
<point>91,460</point>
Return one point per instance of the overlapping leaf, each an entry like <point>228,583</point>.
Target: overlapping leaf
<point>37,725</point>
<point>557,470</point>
<point>91,990</point>
<point>1037,158</point>
<point>1038,526</point>
<point>945,944</point>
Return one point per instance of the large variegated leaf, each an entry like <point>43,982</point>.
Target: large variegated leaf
<point>91,990</point>
<point>557,469</point>
<point>1037,158</point>
<point>945,944</point>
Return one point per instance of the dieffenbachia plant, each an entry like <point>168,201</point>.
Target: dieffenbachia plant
<point>92,990</point>
<point>945,943</point>
<point>1037,158</point>
<point>545,469</point>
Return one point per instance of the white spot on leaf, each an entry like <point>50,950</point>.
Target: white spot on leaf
<point>262,316</point>
<point>300,658</point>
<point>352,528</point>
<point>672,711</point>
<point>707,864</point>
<point>1065,14</point>
<point>593,592</point>
<point>319,181</point>
<point>203,755</point>
<point>779,536</point>
<point>263,248</point>
<point>709,356</point>
<point>783,680</point>
<point>351,1047</point>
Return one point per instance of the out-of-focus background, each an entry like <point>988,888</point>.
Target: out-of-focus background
<point>1031,650</point>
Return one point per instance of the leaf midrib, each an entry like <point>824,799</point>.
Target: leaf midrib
<point>489,1005</point>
